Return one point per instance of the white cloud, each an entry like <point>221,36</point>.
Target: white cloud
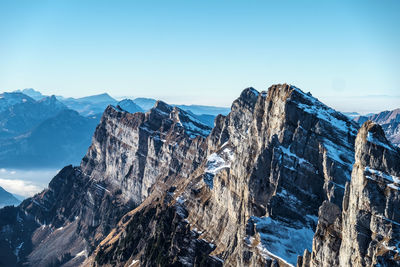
<point>20,187</point>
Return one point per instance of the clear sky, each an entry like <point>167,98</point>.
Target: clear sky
<point>204,52</point>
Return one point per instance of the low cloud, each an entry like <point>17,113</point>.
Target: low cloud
<point>20,187</point>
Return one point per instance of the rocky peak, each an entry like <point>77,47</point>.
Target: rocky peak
<point>270,164</point>
<point>367,230</point>
<point>128,155</point>
<point>157,188</point>
<point>139,140</point>
<point>248,98</point>
<point>371,223</point>
<point>390,122</point>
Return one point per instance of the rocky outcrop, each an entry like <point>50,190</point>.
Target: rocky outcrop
<point>367,230</point>
<point>271,163</point>
<point>129,153</point>
<point>282,175</point>
<point>390,122</point>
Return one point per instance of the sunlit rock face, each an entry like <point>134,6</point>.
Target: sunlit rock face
<point>129,152</point>
<point>270,164</point>
<point>281,180</point>
<point>367,230</point>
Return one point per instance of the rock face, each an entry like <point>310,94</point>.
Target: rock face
<point>390,122</point>
<point>367,230</point>
<point>271,163</point>
<point>129,152</point>
<point>271,181</point>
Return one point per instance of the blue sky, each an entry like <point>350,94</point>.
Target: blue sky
<point>204,52</point>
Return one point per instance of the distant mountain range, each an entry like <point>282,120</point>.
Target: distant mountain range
<point>52,131</point>
<point>41,132</point>
<point>95,104</point>
<point>7,199</point>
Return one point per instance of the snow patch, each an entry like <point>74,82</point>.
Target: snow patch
<point>282,240</point>
<point>17,250</point>
<point>83,253</point>
<point>388,177</point>
<point>325,113</point>
<point>290,154</point>
<point>336,153</point>
<point>372,139</point>
<point>102,188</point>
<point>133,262</point>
<point>194,130</point>
<point>217,162</point>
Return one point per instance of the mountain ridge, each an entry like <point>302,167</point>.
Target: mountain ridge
<point>163,188</point>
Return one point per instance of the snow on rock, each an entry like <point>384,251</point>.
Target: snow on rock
<point>192,125</point>
<point>337,153</point>
<point>194,130</point>
<point>83,253</point>
<point>133,263</point>
<point>216,162</point>
<point>281,240</point>
<point>102,188</point>
<point>372,139</point>
<point>390,178</point>
<point>290,154</point>
<point>323,112</point>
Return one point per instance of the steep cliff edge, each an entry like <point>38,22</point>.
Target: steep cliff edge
<point>129,152</point>
<point>270,164</point>
<point>366,232</point>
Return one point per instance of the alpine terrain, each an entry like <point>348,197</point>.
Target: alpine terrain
<point>281,180</point>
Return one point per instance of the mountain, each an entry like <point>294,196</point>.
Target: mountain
<point>205,114</point>
<point>129,105</point>
<point>43,133</point>
<point>390,122</point>
<point>21,116</point>
<point>89,105</point>
<point>145,103</point>
<point>9,99</point>
<point>352,115</point>
<point>56,141</point>
<point>365,229</point>
<point>128,154</point>
<point>282,175</point>
<point>7,199</point>
<point>100,98</point>
<point>254,199</point>
<point>148,103</point>
<point>199,110</point>
<point>36,95</point>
